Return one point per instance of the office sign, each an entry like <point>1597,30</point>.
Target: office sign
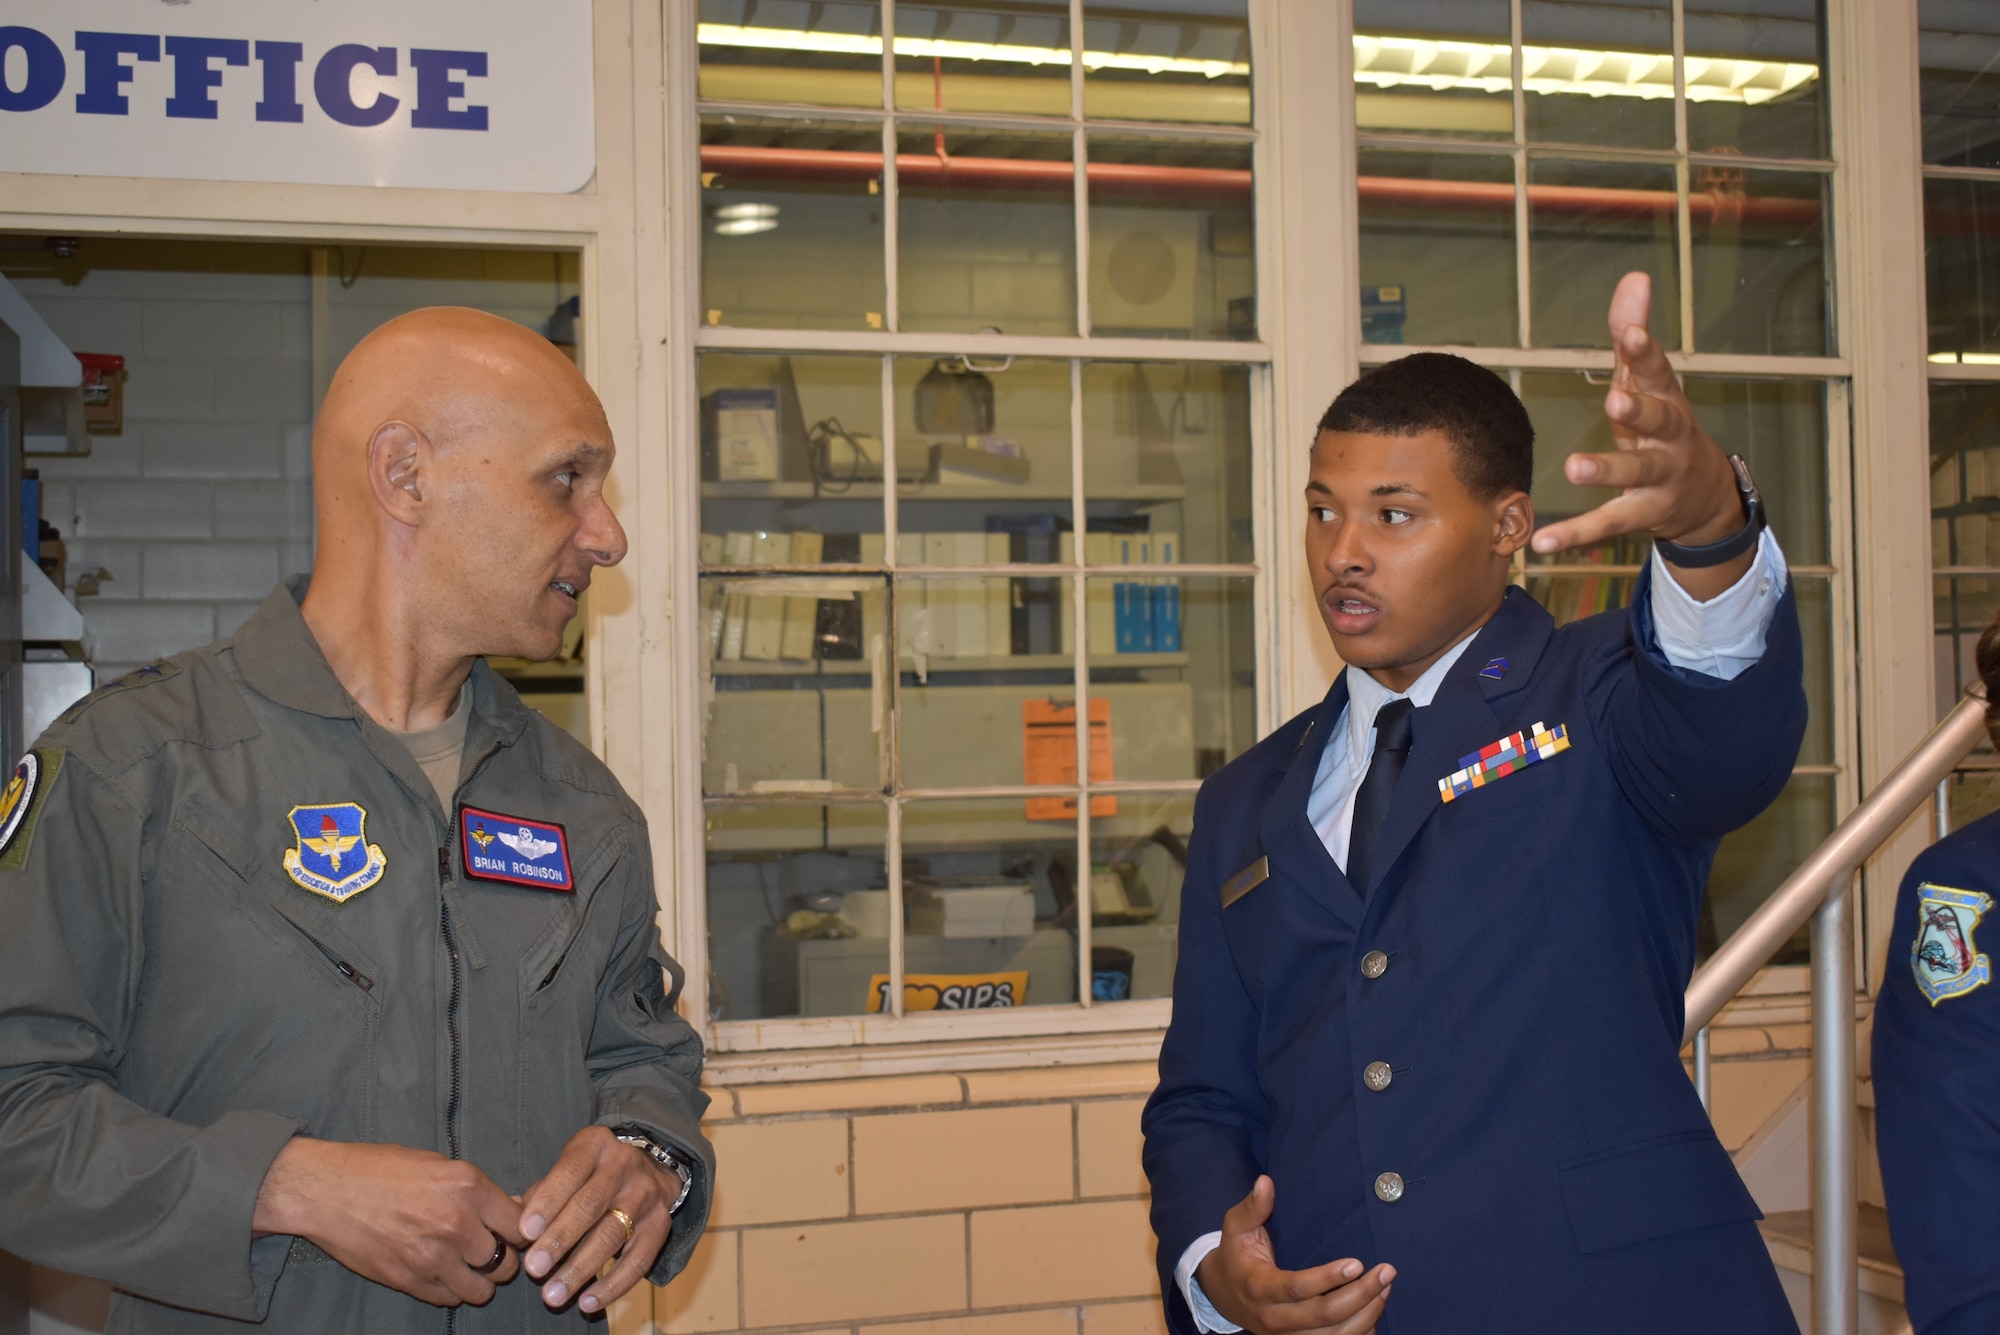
<point>436,94</point>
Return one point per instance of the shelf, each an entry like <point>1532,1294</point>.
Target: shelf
<point>936,666</point>
<point>939,491</point>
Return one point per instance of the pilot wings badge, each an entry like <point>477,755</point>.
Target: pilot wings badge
<point>1943,957</point>
<point>515,850</point>
<point>333,856</point>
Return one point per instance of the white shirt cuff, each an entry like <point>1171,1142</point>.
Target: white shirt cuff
<point>1724,636</point>
<point>1205,1316</point>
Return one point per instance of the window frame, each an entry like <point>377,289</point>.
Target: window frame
<point>802,1047</point>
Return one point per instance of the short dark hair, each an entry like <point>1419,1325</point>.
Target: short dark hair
<point>1493,442</point>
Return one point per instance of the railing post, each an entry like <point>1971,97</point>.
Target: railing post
<point>1836,1278</point>
<point>1702,1088</point>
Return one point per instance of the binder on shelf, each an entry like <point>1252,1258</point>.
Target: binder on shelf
<point>1165,595</point>
<point>874,603</point>
<point>738,549</point>
<point>764,618</point>
<point>1132,608</point>
<point>1100,610</point>
<point>999,599</point>
<point>941,596</point>
<point>801,612</point>
<point>968,597</point>
<point>712,547</point>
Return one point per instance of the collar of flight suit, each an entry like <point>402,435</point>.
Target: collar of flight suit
<point>280,659</point>
<point>1464,715</point>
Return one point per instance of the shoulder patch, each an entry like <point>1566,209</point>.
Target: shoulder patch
<point>158,670</point>
<point>21,803</point>
<point>1943,957</point>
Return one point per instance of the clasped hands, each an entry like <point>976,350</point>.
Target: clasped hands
<point>440,1230</point>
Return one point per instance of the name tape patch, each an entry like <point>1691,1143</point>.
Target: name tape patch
<point>1243,882</point>
<point>514,850</point>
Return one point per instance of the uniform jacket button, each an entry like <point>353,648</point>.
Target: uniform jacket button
<point>1374,964</point>
<point>1378,1075</point>
<point>1389,1187</point>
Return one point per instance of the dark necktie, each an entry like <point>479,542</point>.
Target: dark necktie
<point>1378,786</point>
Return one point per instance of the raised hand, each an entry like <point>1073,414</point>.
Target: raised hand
<point>416,1221</point>
<point>572,1219</point>
<point>1674,482</point>
<point>1242,1279</point>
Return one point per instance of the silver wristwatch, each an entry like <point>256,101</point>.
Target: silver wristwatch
<point>639,1139</point>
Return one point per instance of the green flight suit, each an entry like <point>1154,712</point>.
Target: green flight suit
<point>175,1004</point>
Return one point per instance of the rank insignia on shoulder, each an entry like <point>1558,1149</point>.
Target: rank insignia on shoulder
<point>159,669</point>
<point>1496,760</point>
<point>21,801</point>
<point>1243,882</point>
<point>1943,957</point>
<point>514,850</point>
<point>332,855</point>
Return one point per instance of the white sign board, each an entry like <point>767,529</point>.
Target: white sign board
<point>438,94</point>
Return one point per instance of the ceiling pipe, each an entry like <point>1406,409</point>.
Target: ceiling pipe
<point>1223,185</point>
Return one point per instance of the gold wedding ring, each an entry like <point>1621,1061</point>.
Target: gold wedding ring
<point>625,1219</point>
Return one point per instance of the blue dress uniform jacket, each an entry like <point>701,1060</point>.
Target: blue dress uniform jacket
<point>1557,1171</point>
<point>1937,1085</point>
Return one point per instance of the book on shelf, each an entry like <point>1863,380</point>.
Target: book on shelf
<point>764,613</point>
<point>1165,595</point>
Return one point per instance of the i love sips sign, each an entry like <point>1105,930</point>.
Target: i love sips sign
<point>435,94</point>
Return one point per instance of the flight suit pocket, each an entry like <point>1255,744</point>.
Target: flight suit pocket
<point>1652,1188</point>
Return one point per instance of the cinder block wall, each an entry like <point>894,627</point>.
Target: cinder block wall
<point>992,1203</point>
<point>204,499</point>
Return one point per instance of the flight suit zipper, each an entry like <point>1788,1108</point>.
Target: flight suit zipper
<point>453,1099</point>
<point>341,966</point>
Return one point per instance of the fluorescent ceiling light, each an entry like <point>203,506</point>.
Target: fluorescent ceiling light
<point>739,211</point>
<point>1966,358</point>
<point>858,44</point>
<point>1381,62</point>
<point>744,226</point>
<point>1421,62</point>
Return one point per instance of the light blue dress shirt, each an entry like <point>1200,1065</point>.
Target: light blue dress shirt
<point>1720,638</point>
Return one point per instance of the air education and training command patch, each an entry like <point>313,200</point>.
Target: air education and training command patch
<point>333,856</point>
<point>1943,957</point>
<point>514,850</point>
<point>21,803</point>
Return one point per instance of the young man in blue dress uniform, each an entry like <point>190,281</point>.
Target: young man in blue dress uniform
<point>1937,1071</point>
<point>1423,1069</point>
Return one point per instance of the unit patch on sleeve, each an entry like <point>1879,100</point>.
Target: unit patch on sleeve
<point>332,855</point>
<point>514,850</point>
<point>21,804</point>
<point>1943,957</point>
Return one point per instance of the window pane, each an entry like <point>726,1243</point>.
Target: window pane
<point>1437,249</point>
<point>988,231</point>
<point>1174,663</point>
<point>1138,860</point>
<point>1962,269</point>
<point>1167,453</point>
<point>791,225</point>
<point>962,55</point>
<point>1754,78</point>
<point>1599,74</point>
<point>826,52</point>
<point>1760,271</point>
<point>1756,859</point>
<point>1147,62</point>
<point>991,900</point>
<point>1172,249</point>
<point>797,909</point>
<point>974,719</point>
<point>1434,70</point>
<point>1589,223</point>
<point>1965,525</point>
<point>799,690</point>
<point>1778,426</point>
<point>982,461</point>
<point>791,450</point>
<point>1958,47</point>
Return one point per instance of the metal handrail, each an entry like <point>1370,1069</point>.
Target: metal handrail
<point>1820,892</point>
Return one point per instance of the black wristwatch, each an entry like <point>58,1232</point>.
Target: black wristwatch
<point>642,1140</point>
<point>1737,543</point>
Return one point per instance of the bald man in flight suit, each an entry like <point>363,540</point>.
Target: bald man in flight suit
<point>1423,1068</point>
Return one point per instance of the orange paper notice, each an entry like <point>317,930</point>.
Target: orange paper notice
<point>1048,740</point>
